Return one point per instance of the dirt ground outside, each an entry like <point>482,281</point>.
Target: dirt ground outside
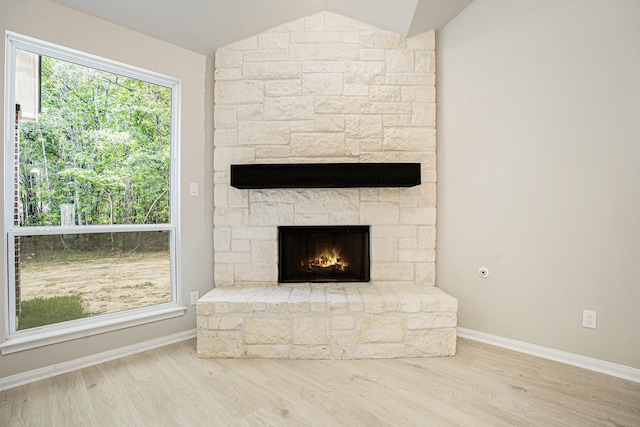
<point>106,285</point>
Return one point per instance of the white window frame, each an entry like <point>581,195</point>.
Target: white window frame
<point>14,340</point>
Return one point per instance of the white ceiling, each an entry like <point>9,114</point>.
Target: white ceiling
<point>205,25</point>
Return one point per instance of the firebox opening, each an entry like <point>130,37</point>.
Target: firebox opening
<point>323,254</point>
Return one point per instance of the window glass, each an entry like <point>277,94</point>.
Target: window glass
<point>90,219</point>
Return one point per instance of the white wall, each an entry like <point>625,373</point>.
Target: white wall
<point>539,172</point>
<point>48,21</point>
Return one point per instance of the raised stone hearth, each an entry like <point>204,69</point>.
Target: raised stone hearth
<point>327,322</point>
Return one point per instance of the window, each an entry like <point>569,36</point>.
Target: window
<point>90,190</point>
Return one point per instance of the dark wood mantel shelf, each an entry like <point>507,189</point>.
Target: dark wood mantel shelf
<point>325,175</point>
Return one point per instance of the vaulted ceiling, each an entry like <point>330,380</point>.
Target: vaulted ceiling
<point>205,25</point>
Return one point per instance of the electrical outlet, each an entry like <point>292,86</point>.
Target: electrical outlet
<point>195,296</point>
<point>589,319</point>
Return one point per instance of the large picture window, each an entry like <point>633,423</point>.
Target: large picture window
<point>90,188</point>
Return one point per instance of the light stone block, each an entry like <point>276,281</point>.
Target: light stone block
<point>225,137</point>
<point>226,58</point>
<point>384,250</point>
<point>265,55</point>
<point>289,108</point>
<point>289,87</point>
<point>268,351</point>
<point>223,274</point>
<point>342,345</point>
<point>418,94</point>
<point>317,144</point>
<point>336,300</point>
<point>379,351</point>
<point>335,22</point>
<point>427,237</point>
<point>410,79</point>
<point>299,299</point>
<point>267,330</point>
<point>390,271</point>
<point>264,251</point>
<point>337,52</point>
<point>219,343</point>
<point>343,322</point>
<point>311,330</point>
<point>228,217</point>
<point>255,272</point>
<point>226,156</point>
<point>302,126</point>
<point>409,139</point>
<point>315,37</point>
<point>339,105</point>
<point>239,92</point>
<point>270,213</point>
<point>396,120</point>
<point>363,126</point>
<point>315,352</point>
<point>279,152</point>
<point>432,321</point>
<point>379,213</point>
<point>425,343</point>
<point>381,40</point>
<point>322,83</point>
<point>418,216</point>
<point>422,41</point>
<point>302,52</point>
<point>355,304</point>
<point>202,322</point>
<point>325,201</point>
<point>356,89</point>
<point>317,299</point>
<point>251,112</point>
<point>386,93</point>
<point>263,132</point>
<point>425,61</point>
<point>278,300</point>
<point>371,73</point>
<point>423,114</point>
<point>250,43</point>
<point>205,308</point>
<point>391,108</point>
<point>425,274</point>
<point>329,123</point>
<point>314,22</point>
<point>400,61</point>
<point>225,322</point>
<point>271,70</point>
<point>380,329</point>
<point>226,74</point>
<point>372,54</point>
<point>222,239</point>
<point>225,116</point>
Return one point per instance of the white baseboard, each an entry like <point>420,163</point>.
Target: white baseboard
<point>83,362</point>
<point>597,365</point>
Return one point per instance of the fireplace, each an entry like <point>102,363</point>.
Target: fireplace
<point>323,254</point>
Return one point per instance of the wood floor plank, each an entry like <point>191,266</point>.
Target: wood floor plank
<point>481,386</point>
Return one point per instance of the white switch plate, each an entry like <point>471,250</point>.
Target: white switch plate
<point>589,319</point>
<point>195,296</point>
<point>193,188</point>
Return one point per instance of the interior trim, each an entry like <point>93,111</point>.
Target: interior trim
<point>95,359</point>
<point>597,365</point>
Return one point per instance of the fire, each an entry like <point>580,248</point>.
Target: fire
<point>328,258</point>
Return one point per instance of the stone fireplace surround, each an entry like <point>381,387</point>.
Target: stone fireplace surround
<point>325,89</point>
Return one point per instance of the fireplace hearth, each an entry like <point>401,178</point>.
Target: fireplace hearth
<point>323,254</point>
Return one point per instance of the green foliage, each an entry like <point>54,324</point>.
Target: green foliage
<point>47,311</point>
<point>101,143</point>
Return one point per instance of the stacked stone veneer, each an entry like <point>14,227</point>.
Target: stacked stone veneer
<point>323,322</point>
<point>325,88</point>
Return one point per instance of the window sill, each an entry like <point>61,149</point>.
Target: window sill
<point>41,339</point>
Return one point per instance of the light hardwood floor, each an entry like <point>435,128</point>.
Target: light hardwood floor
<point>481,386</point>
